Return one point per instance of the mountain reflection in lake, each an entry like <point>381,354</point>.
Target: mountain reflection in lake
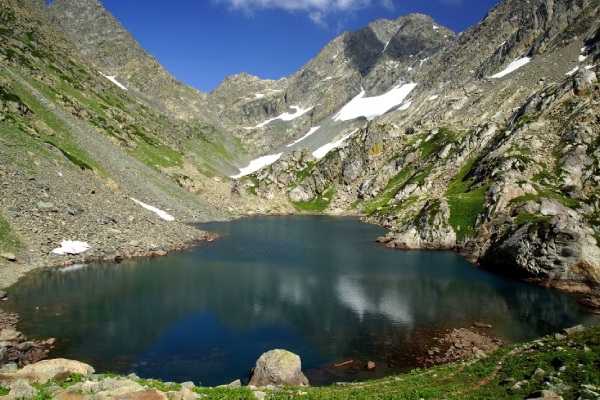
<point>317,286</point>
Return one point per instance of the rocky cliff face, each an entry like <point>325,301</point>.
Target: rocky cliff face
<point>103,42</point>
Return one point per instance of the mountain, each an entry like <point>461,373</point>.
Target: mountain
<point>485,142</point>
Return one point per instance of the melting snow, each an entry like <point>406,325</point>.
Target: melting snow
<point>257,164</point>
<point>164,215</point>
<point>259,95</point>
<point>513,66</point>
<point>371,107</point>
<point>582,58</point>
<point>385,47</point>
<point>71,247</point>
<point>113,79</point>
<point>328,78</point>
<point>312,130</point>
<point>436,27</point>
<point>571,72</point>
<point>405,105</point>
<point>434,97</point>
<point>286,116</point>
<point>323,150</point>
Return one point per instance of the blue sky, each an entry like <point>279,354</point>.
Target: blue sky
<point>203,41</point>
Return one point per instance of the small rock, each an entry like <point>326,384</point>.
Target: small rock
<point>538,373</point>
<point>235,384</point>
<point>9,256</point>
<point>575,329</point>
<point>278,367</point>
<point>544,394</point>
<point>371,366</point>
<point>188,385</point>
<point>45,206</point>
<point>158,253</point>
<point>481,325</point>
<point>590,394</point>
<point>3,294</point>
<point>22,389</point>
<point>259,395</point>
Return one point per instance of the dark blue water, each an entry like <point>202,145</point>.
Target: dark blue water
<point>317,286</point>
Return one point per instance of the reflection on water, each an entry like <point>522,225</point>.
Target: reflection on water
<point>317,286</point>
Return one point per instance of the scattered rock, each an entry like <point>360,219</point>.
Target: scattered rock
<point>278,367</point>
<point>3,295</point>
<point>22,389</point>
<point>371,366</point>
<point>9,256</point>
<point>53,370</point>
<point>573,330</point>
<point>482,325</point>
<point>544,394</point>
<point>259,395</point>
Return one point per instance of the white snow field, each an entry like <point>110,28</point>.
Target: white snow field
<point>257,164</point>
<point>371,107</point>
<point>323,150</point>
<point>113,79</point>
<point>310,132</point>
<point>513,66</point>
<point>163,214</point>
<point>286,116</point>
<point>71,247</point>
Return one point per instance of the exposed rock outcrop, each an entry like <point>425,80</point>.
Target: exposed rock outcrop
<point>278,367</point>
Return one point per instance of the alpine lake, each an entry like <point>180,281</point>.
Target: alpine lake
<point>318,286</point>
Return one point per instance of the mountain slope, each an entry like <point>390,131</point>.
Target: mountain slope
<point>500,166</point>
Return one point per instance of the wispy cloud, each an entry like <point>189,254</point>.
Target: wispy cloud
<point>316,10</point>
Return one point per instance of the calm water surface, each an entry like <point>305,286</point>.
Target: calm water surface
<point>317,286</point>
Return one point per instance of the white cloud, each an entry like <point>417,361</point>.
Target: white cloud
<point>316,10</point>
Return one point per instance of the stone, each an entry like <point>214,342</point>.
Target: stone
<point>482,325</point>
<point>9,256</point>
<point>573,330</point>
<point>58,369</point>
<point>278,367</point>
<point>538,373</point>
<point>69,395</point>
<point>10,334</point>
<point>183,394</point>
<point>371,366</point>
<point>259,395</point>
<point>235,384</point>
<point>22,389</point>
<point>188,385</point>
<point>45,206</point>
<point>544,394</point>
<point>3,295</point>
<point>151,394</point>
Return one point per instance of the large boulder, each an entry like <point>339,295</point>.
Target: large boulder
<point>57,369</point>
<point>278,367</point>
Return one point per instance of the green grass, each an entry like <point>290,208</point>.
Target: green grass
<point>573,361</point>
<point>391,189</point>
<point>465,204</point>
<point>8,240</point>
<point>464,209</point>
<point>526,218</point>
<point>317,204</point>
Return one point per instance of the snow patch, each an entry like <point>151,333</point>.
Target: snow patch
<point>405,105</point>
<point>435,27</point>
<point>513,66</point>
<point>71,247</point>
<point>434,97</point>
<point>571,72</point>
<point>257,164</point>
<point>328,78</point>
<point>259,95</point>
<point>286,116</point>
<point>371,107</point>
<point>163,214</point>
<point>113,79</point>
<point>323,150</point>
<point>310,132</point>
<point>385,47</point>
<point>582,58</point>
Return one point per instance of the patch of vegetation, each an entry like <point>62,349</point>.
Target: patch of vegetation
<point>465,204</point>
<point>8,241</point>
<point>526,218</point>
<point>317,204</point>
<point>547,193</point>
<point>464,209</point>
<point>438,141</point>
<point>301,175</point>
<point>524,120</point>
<point>391,189</point>
<point>73,157</point>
